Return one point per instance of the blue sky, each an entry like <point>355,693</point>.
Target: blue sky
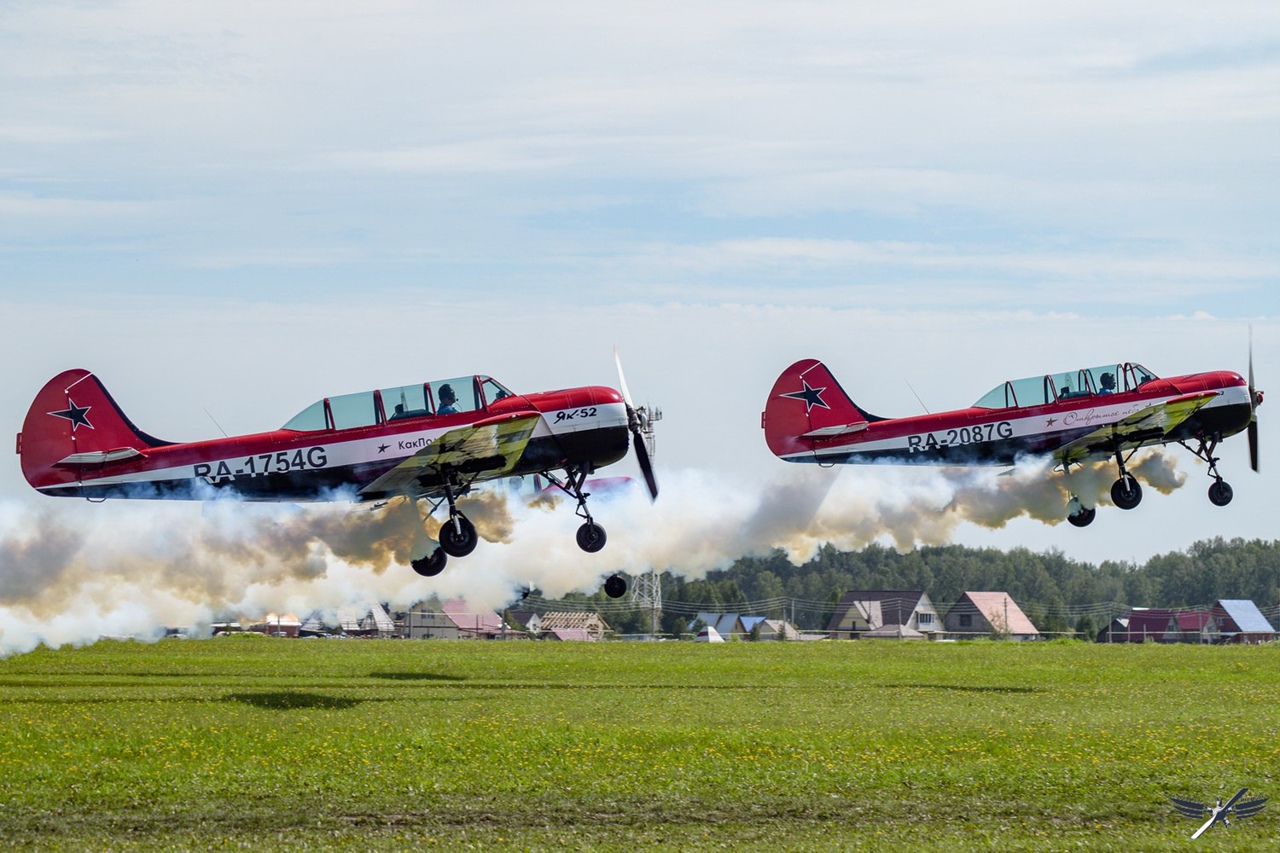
<point>240,209</point>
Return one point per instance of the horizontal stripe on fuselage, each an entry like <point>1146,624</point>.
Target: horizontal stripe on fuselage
<point>990,439</point>
<point>315,465</point>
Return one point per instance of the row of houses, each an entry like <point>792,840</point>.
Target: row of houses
<point>1227,621</point>
<point>861,614</point>
<point>910,614</point>
<point>453,620</point>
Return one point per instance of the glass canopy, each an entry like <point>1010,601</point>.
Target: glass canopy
<point>371,408</point>
<point>1054,387</point>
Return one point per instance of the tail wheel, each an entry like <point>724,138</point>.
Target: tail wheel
<point>1126,493</point>
<point>430,566</point>
<point>1083,517</point>
<point>458,539</point>
<point>1220,493</point>
<point>615,587</point>
<point>591,539</point>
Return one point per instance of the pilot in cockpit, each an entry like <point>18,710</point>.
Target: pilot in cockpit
<point>447,399</point>
<point>1108,383</point>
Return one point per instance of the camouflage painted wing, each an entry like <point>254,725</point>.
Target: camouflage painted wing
<point>481,451</point>
<point>1144,426</point>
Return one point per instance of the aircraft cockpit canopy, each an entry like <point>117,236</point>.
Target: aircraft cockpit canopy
<point>372,408</point>
<point>1055,387</point>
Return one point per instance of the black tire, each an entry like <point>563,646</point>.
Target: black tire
<point>431,565</point>
<point>615,587</point>
<point>1220,493</point>
<point>458,540</point>
<point>1082,518</point>
<point>1126,493</point>
<point>591,537</point>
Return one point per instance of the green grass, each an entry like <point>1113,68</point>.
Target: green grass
<point>239,742</point>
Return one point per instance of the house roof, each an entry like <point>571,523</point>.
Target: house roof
<point>1194,620</point>
<point>373,615</point>
<point>1246,615</point>
<point>998,607</point>
<point>724,623</point>
<point>570,619</point>
<point>467,618</point>
<point>895,606</point>
<point>782,627</point>
<point>1149,621</point>
<point>522,617</point>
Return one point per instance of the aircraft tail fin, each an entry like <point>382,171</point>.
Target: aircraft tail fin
<point>73,426</point>
<point>806,406</point>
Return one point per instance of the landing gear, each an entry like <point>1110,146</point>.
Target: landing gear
<point>1125,492</point>
<point>1220,492</point>
<point>1082,517</point>
<point>591,536</point>
<point>615,587</point>
<point>432,565</point>
<point>458,536</point>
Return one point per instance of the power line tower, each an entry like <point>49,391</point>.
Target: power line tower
<point>647,594</point>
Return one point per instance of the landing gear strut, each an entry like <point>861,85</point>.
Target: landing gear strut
<point>458,535</point>
<point>1220,492</point>
<point>591,536</point>
<point>1125,492</point>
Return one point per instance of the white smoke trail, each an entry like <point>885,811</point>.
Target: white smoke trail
<point>71,572</point>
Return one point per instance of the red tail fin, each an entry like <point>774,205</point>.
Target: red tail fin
<point>805,405</point>
<point>74,424</point>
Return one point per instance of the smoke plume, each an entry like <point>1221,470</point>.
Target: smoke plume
<point>71,572</point>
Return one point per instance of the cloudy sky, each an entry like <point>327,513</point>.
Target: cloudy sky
<point>230,210</point>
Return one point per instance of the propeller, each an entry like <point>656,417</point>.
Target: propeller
<point>1255,400</point>
<point>639,423</point>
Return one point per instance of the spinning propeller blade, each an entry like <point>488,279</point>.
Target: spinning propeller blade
<point>1254,399</point>
<point>635,422</point>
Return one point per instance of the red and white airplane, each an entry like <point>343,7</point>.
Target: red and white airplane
<point>1106,412</point>
<point>431,441</point>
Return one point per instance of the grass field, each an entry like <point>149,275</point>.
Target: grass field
<point>269,743</point>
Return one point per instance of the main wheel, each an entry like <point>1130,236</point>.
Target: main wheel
<point>432,565</point>
<point>615,587</point>
<point>1126,493</point>
<point>1220,493</point>
<point>458,540</point>
<point>1082,517</point>
<point>591,537</point>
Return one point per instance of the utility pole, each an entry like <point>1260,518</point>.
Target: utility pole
<point>647,594</point>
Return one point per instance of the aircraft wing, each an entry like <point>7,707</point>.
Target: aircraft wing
<point>1249,808</point>
<point>483,450</point>
<point>1148,424</point>
<point>1189,808</point>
